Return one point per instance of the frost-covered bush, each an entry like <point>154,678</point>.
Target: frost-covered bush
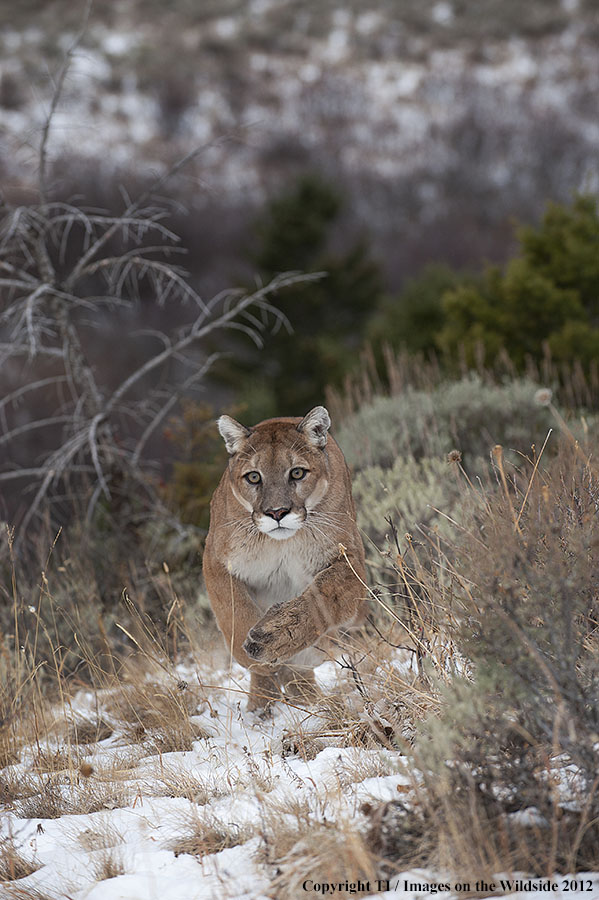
<point>469,415</point>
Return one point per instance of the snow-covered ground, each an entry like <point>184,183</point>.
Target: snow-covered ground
<point>249,784</point>
<point>241,777</point>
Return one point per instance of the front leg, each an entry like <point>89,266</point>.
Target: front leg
<point>264,690</point>
<point>235,612</point>
<point>333,599</point>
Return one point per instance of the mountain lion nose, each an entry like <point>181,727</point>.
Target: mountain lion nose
<point>276,514</point>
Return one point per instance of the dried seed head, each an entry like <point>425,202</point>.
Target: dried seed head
<point>543,397</point>
<point>454,456</point>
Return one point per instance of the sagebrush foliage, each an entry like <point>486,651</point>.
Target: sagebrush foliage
<point>529,627</point>
<point>490,560</point>
<point>412,493</point>
<point>469,415</point>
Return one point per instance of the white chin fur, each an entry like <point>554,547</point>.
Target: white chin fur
<point>281,534</point>
<point>288,527</point>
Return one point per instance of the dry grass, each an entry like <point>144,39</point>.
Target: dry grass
<point>210,835</point>
<point>90,731</point>
<point>55,800</point>
<point>143,703</point>
<point>13,864</point>
<point>109,866</point>
<point>15,785</point>
<point>101,837</point>
<point>295,842</point>
<point>14,892</point>
<point>402,370</point>
<point>48,761</point>
<point>398,837</point>
<point>168,781</point>
<point>9,746</point>
<point>510,664</point>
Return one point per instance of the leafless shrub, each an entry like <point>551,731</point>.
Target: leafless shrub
<point>63,270</point>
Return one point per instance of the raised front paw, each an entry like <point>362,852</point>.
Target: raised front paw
<point>270,641</point>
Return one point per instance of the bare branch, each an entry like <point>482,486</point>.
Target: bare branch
<point>34,386</point>
<point>170,403</point>
<point>18,349</point>
<point>55,100</point>
<point>93,445</point>
<point>128,214</point>
<point>33,426</point>
<point>40,495</point>
<point>23,473</point>
<point>39,313</point>
<point>198,330</point>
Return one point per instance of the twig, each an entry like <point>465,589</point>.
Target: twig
<point>66,64</point>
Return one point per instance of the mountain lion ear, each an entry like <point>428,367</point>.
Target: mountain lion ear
<point>232,433</point>
<point>315,426</point>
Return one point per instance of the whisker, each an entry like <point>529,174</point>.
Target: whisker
<point>326,520</point>
<point>315,528</point>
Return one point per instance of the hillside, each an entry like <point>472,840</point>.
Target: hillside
<point>423,111</point>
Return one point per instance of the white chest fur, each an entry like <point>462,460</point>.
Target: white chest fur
<point>275,571</point>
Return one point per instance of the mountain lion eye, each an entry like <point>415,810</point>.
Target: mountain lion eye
<point>253,477</point>
<point>297,473</point>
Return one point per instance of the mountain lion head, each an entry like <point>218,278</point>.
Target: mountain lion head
<point>279,469</point>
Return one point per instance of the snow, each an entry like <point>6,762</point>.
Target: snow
<point>239,765</point>
<point>369,22</point>
<point>337,45</point>
<point>442,13</point>
<point>241,773</point>
<point>118,43</point>
<point>226,28</point>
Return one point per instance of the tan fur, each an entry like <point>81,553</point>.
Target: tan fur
<point>280,597</point>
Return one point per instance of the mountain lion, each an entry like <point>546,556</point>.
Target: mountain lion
<point>277,559</point>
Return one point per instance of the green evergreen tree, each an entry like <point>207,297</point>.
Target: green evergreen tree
<point>548,294</point>
<point>328,317</point>
<point>412,319</point>
<point>565,249</point>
